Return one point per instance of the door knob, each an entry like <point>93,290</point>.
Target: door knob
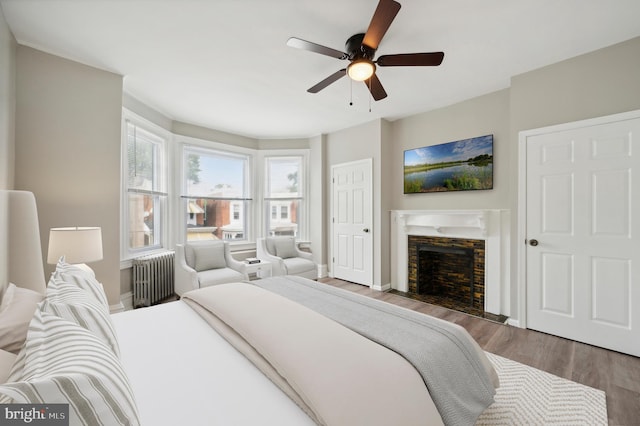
<point>533,242</point>
<point>365,230</point>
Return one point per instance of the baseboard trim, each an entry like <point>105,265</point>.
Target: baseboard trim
<point>126,301</point>
<point>383,287</point>
<point>323,271</point>
<point>118,307</point>
<point>513,322</point>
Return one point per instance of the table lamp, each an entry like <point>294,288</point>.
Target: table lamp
<point>78,245</point>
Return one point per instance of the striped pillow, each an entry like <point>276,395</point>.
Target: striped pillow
<point>64,363</point>
<point>80,278</point>
<point>76,305</point>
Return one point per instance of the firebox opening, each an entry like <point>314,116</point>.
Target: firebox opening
<point>446,272</point>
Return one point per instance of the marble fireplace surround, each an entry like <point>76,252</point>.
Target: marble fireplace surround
<point>492,226</point>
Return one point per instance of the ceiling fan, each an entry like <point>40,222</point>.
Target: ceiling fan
<point>361,49</point>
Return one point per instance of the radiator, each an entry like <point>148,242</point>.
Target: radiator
<point>152,278</point>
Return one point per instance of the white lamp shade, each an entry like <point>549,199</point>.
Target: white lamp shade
<point>77,244</point>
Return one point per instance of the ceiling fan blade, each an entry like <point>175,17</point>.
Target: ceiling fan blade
<point>411,60</point>
<point>327,81</point>
<point>375,87</point>
<point>313,47</point>
<point>382,18</point>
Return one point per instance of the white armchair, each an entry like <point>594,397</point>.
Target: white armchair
<point>204,263</point>
<point>286,257</point>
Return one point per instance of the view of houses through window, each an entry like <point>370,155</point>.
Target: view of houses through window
<point>216,194</point>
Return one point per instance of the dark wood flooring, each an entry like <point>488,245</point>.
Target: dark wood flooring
<point>615,373</point>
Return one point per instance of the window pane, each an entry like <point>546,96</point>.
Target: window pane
<point>287,222</point>
<point>215,219</point>
<point>212,179</point>
<point>284,177</point>
<point>143,157</point>
<point>213,174</point>
<point>144,221</point>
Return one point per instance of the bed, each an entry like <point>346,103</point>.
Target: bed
<point>282,351</point>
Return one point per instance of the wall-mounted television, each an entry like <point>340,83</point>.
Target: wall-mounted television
<point>462,165</point>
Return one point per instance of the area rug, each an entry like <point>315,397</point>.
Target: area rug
<point>528,396</point>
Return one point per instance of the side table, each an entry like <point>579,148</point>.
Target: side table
<point>258,270</point>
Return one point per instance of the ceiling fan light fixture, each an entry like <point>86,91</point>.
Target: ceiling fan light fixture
<point>361,69</point>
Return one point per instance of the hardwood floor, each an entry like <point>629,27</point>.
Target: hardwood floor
<point>615,373</point>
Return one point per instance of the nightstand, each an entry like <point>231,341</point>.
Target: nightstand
<point>258,270</point>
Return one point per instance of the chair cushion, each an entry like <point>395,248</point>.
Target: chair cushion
<point>285,247</point>
<point>298,265</point>
<point>270,243</point>
<point>219,276</point>
<point>207,256</point>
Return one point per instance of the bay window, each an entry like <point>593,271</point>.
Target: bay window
<point>177,189</point>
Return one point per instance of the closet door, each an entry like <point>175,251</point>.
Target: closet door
<point>583,244</point>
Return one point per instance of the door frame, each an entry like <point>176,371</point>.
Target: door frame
<point>522,196</point>
<point>368,162</point>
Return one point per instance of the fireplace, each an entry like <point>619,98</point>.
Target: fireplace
<point>485,232</point>
<point>449,268</point>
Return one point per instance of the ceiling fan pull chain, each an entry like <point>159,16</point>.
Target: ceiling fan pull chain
<point>350,92</point>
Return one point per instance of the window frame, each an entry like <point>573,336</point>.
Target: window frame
<point>302,233</point>
<point>164,138</point>
<point>250,176</point>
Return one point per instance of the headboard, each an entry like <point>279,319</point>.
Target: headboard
<point>21,241</point>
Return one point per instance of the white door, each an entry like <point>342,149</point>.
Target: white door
<point>352,220</point>
<point>583,244</point>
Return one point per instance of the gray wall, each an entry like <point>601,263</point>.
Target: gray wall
<point>357,143</point>
<point>7,133</point>
<point>7,103</point>
<point>68,131</point>
<point>318,199</point>
<point>480,116</point>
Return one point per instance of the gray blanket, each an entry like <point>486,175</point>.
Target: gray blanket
<point>442,353</point>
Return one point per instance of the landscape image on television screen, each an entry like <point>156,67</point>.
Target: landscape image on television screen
<point>454,166</point>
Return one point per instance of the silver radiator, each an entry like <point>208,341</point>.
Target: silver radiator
<point>152,278</point>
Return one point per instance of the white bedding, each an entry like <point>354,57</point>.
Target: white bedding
<point>183,372</point>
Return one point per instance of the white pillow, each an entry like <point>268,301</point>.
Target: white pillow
<point>64,363</point>
<point>285,248</point>
<point>16,311</point>
<point>209,256</point>
<point>78,306</point>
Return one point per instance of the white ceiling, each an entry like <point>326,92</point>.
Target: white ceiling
<point>224,64</point>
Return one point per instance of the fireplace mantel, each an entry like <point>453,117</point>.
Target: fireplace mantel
<point>492,226</point>
<point>445,222</point>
